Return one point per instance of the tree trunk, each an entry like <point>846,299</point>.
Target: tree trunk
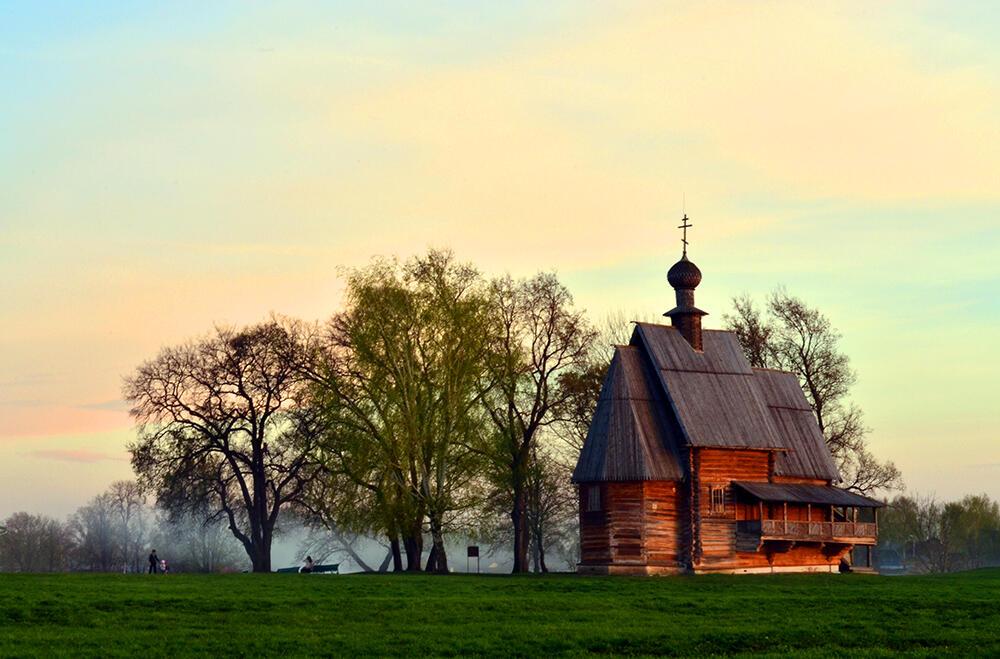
<point>519,518</point>
<point>437,548</point>
<point>413,545</point>
<point>262,558</point>
<point>397,556</point>
<point>349,548</point>
<point>385,561</point>
<point>432,559</point>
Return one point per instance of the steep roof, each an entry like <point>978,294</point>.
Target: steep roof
<point>796,425</point>
<point>631,437</point>
<point>661,395</point>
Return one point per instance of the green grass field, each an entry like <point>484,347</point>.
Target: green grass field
<point>816,615</point>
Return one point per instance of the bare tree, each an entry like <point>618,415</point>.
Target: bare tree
<point>34,543</point>
<point>794,337</point>
<point>194,543</point>
<point>224,429</point>
<point>96,535</point>
<point>128,503</point>
<point>539,338</point>
<point>552,507</point>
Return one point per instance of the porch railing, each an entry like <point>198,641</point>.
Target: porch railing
<point>796,530</point>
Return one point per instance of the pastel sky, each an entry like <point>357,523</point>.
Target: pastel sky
<point>165,167</point>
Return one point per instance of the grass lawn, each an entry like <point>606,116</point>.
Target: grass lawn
<point>816,615</point>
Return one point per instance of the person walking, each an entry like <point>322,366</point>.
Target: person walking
<point>154,563</point>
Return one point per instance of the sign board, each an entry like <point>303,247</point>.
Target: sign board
<point>473,552</point>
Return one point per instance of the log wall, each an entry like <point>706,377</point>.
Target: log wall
<point>666,538</point>
<point>663,524</point>
<point>625,522</point>
<point>642,523</point>
<point>595,540</point>
<point>715,468</point>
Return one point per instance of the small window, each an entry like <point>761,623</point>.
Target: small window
<point>718,500</point>
<point>593,498</point>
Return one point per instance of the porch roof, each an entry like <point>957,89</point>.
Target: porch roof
<point>798,493</point>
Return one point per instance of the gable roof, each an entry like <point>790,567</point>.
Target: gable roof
<point>661,395</point>
<point>631,437</point>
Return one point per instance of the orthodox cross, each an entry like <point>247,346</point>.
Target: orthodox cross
<point>685,226</point>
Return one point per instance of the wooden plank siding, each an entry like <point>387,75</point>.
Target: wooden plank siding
<point>649,524</point>
<point>595,539</point>
<point>642,523</point>
<point>626,521</point>
<point>666,523</point>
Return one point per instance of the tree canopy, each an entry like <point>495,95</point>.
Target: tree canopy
<point>224,429</point>
<point>792,336</point>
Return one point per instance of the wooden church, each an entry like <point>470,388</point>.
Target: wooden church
<point>697,462</point>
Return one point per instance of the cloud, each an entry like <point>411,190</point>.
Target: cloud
<point>74,455</point>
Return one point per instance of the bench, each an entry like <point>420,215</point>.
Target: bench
<point>317,569</point>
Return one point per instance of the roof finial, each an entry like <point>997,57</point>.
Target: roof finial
<point>684,239</point>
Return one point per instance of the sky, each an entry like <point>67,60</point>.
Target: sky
<point>169,167</point>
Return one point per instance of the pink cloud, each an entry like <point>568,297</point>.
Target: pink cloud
<point>46,420</point>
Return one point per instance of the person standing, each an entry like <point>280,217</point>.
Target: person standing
<point>154,563</point>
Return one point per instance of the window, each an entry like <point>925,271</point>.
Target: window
<point>593,498</point>
<point>717,500</point>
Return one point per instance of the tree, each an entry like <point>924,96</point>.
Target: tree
<point>97,535</point>
<point>552,508</point>
<point>224,429</point>
<point>538,339</point>
<point>794,337</point>
<point>974,523</point>
<point>399,388</point>
<point>34,543</point>
<point>192,543</point>
<point>128,504</point>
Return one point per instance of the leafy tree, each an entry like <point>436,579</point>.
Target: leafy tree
<point>399,387</point>
<point>974,525</point>
<point>791,336</point>
<point>938,537</point>
<point>539,338</point>
<point>224,429</point>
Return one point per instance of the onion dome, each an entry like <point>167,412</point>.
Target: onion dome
<point>684,275</point>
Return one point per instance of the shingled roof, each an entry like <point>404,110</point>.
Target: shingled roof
<point>661,395</point>
<point>631,436</point>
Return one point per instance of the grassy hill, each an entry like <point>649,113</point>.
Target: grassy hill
<point>817,615</point>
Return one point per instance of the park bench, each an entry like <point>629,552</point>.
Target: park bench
<point>317,569</point>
